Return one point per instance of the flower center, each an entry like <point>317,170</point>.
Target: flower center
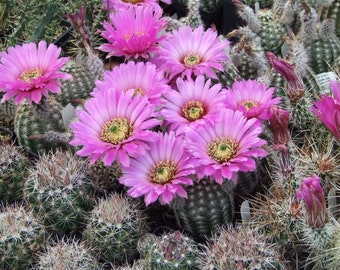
<point>191,59</point>
<point>248,104</point>
<point>29,74</point>
<point>193,110</point>
<point>137,91</point>
<point>116,130</point>
<point>133,1</point>
<point>222,149</point>
<point>162,173</point>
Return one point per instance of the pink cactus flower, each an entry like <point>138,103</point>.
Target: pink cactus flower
<point>30,71</point>
<point>142,77</point>
<point>328,110</point>
<point>313,195</point>
<point>133,32</point>
<point>194,104</point>
<point>114,126</point>
<point>161,173</point>
<point>295,87</point>
<point>222,149</point>
<point>193,52</point>
<point>252,98</point>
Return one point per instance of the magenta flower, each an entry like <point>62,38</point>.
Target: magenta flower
<point>143,78</point>
<point>312,193</point>
<point>279,123</point>
<point>114,126</point>
<point>328,110</point>
<point>252,98</point>
<point>193,105</point>
<point>295,87</point>
<point>226,147</point>
<point>30,71</point>
<point>160,173</point>
<point>193,51</point>
<point>134,32</point>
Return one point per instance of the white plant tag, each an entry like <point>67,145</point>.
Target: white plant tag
<point>68,113</point>
<point>324,81</point>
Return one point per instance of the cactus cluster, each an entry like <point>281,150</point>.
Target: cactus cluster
<point>211,211</point>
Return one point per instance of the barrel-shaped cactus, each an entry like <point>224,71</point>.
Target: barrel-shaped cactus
<point>22,237</point>
<point>114,226</point>
<point>58,190</point>
<point>13,172</point>
<point>208,206</point>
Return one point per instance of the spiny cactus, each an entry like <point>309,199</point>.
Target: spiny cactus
<point>13,172</point>
<point>21,238</point>
<point>85,70</point>
<point>276,215</point>
<point>114,227</point>
<point>58,191</point>
<point>32,122</point>
<point>168,251</point>
<point>67,254</point>
<point>208,206</point>
<point>105,178</point>
<point>242,247</point>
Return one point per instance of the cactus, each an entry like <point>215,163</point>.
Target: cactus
<point>85,70</point>
<point>22,237</point>
<point>67,254</point>
<point>105,178</point>
<point>32,122</point>
<point>271,32</point>
<point>276,215</point>
<point>208,206</point>
<point>242,247</point>
<point>13,172</point>
<point>58,190</point>
<point>169,251</point>
<point>114,227</point>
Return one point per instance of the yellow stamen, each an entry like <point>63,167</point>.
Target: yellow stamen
<point>222,149</point>
<point>193,110</point>
<point>29,74</point>
<point>133,1</point>
<point>191,59</point>
<point>162,173</point>
<point>248,104</point>
<point>116,130</point>
<point>138,91</point>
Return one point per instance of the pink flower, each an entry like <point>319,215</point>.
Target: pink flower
<point>295,87</point>
<point>114,126</point>
<point>226,147</point>
<point>30,71</point>
<point>193,51</point>
<point>312,193</point>
<point>279,123</point>
<point>135,32</point>
<point>143,78</point>
<point>160,173</point>
<point>193,105</point>
<point>328,110</point>
<point>252,98</point>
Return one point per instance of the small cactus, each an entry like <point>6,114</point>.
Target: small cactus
<point>208,206</point>
<point>13,172</point>
<point>242,247</point>
<point>31,123</point>
<point>114,227</point>
<point>67,254</point>
<point>169,251</point>
<point>58,190</point>
<point>21,238</point>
